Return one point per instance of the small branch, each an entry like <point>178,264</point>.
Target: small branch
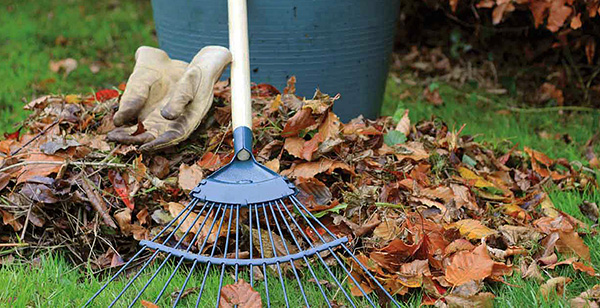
<point>97,202</point>
<point>5,245</point>
<point>34,138</point>
<point>73,163</point>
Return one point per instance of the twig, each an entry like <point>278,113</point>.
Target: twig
<point>5,245</point>
<point>554,108</point>
<point>97,202</point>
<point>34,138</point>
<point>74,163</point>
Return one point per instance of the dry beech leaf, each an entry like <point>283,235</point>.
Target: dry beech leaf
<point>554,285</point>
<point>240,295</point>
<point>481,300</point>
<point>176,208</point>
<point>33,170</point>
<point>584,268</point>
<point>147,304</point>
<point>469,265</point>
<point>189,176</point>
<point>404,125</point>
<point>310,169</point>
<point>273,164</point>
<point>472,229</point>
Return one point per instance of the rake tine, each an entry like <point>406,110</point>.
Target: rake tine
<point>162,291</point>
<point>89,301</point>
<point>168,257</point>
<point>305,259</point>
<point>212,253</point>
<point>189,207</point>
<point>288,252</point>
<point>237,237</point>
<point>224,256</point>
<point>337,259</point>
<point>187,278</point>
<point>275,255</point>
<point>262,255</point>
<point>321,259</point>
<point>251,241</point>
<point>189,211</point>
<point>364,268</point>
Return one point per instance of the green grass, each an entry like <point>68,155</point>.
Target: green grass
<point>54,283</point>
<point>30,37</point>
<point>485,117</point>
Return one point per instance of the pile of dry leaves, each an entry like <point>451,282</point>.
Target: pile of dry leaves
<point>426,207</point>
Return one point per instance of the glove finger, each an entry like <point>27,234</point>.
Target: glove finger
<point>165,140</point>
<point>132,101</point>
<point>182,94</point>
<point>115,134</point>
<point>129,139</point>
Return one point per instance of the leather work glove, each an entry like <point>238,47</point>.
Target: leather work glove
<point>169,97</point>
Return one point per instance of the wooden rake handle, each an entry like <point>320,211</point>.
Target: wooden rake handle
<point>241,109</point>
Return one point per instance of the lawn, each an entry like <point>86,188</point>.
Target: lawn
<point>108,32</point>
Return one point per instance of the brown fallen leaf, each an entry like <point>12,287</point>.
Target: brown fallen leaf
<point>590,210</point>
<point>310,169</point>
<point>32,170</point>
<point>584,268</point>
<point>239,294</point>
<point>554,286</point>
<point>403,125</point>
<point>572,242</point>
<point>189,176</point>
<point>472,229</point>
<point>176,208</point>
<point>273,164</point>
<point>587,299</point>
<point>469,265</point>
<point>301,120</point>
<point>147,304</point>
<point>481,300</point>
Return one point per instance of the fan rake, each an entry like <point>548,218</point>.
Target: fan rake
<point>245,221</point>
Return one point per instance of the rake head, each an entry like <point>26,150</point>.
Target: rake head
<point>245,222</point>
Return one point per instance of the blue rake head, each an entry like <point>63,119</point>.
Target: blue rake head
<point>243,220</point>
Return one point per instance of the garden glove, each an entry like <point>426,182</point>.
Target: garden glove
<point>169,97</point>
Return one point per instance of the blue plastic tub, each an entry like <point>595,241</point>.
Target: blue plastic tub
<point>339,46</point>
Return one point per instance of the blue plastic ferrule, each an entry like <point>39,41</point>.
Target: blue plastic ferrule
<point>242,139</point>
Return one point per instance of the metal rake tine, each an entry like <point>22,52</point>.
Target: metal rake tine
<point>337,259</point>
<point>189,211</point>
<point>237,238</point>
<point>262,255</point>
<point>224,256</point>
<point>251,245</point>
<point>339,284</point>
<point>287,304</point>
<point>288,252</point>
<point>187,278</point>
<point>212,254</point>
<point>168,257</point>
<point>89,301</point>
<point>364,268</point>
<point>181,259</point>
<point>305,259</point>
<point>189,207</point>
